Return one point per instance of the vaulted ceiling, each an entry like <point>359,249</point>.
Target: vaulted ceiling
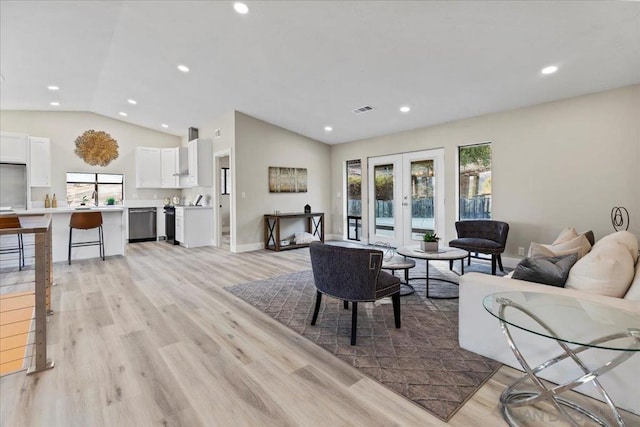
<point>304,65</point>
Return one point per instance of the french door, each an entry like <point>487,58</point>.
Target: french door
<point>406,197</point>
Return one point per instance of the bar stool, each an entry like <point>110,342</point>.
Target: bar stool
<point>86,221</point>
<point>12,221</point>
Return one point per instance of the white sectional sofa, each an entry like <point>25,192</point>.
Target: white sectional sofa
<point>480,332</point>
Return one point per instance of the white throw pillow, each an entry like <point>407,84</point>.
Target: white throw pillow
<point>565,235</point>
<point>625,238</point>
<point>606,271</point>
<point>579,244</point>
<point>634,290</point>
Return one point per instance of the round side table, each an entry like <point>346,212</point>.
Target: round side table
<point>443,254</point>
<point>401,263</point>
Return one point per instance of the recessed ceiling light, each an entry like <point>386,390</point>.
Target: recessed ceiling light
<point>132,101</point>
<point>123,114</point>
<point>549,70</point>
<point>52,87</point>
<point>241,8</point>
<point>55,103</point>
<point>164,125</point>
<point>183,68</point>
<point>405,109</point>
<point>328,128</point>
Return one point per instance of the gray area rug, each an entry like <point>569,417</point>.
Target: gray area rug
<point>421,361</point>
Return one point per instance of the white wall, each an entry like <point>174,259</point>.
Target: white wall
<point>64,127</point>
<point>259,145</point>
<point>225,142</point>
<point>565,163</point>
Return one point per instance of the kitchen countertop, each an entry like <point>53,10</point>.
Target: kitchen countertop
<point>65,210</point>
<point>194,207</point>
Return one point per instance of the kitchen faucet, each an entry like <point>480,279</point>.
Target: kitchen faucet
<point>94,196</point>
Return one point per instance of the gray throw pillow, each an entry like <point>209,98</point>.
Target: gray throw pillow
<point>547,270</point>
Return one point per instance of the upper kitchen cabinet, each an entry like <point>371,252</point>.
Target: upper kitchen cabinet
<point>40,161</point>
<point>13,147</point>
<point>200,164</point>
<point>175,163</point>
<point>169,168</point>
<point>148,167</point>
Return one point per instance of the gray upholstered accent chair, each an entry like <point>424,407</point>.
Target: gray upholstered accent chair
<point>482,236</point>
<point>352,275</point>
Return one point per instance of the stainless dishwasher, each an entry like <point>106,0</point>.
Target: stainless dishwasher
<point>142,224</point>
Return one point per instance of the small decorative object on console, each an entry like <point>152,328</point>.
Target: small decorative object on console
<point>307,209</point>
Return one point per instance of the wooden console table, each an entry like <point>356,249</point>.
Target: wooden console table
<point>314,226</point>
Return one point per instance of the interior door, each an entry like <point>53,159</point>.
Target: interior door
<point>406,197</point>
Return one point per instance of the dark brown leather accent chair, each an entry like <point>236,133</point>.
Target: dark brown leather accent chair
<point>352,275</point>
<point>86,221</point>
<point>484,237</point>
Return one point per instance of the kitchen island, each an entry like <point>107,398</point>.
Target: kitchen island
<point>114,227</point>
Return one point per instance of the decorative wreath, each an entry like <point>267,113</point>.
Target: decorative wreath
<point>96,147</point>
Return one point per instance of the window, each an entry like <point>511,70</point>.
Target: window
<point>475,181</point>
<point>81,186</point>
<point>354,199</point>
<point>225,183</point>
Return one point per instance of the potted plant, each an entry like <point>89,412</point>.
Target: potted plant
<point>429,242</point>
<point>111,201</point>
<point>84,201</point>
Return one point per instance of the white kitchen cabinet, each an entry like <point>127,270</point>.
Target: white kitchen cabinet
<point>169,168</point>
<point>148,167</point>
<point>200,164</point>
<point>13,147</point>
<point>179,224</point>
<point>40,161</point>
<point>194,226</point>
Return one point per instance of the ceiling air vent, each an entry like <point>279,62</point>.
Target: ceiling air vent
<point>363,109</point>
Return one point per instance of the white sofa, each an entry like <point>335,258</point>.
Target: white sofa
<point>480,332</point>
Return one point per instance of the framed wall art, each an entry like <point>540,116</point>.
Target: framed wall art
<point>287,180</point>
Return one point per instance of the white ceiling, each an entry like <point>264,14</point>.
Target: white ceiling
<point>303,65</point>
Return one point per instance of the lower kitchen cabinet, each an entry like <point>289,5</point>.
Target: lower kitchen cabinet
<point>194,226</point>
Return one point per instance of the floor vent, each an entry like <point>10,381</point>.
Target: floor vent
<point>363,109</point>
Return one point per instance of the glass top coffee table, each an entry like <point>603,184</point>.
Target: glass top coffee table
<point>577,326</point>
<point>444,253</point>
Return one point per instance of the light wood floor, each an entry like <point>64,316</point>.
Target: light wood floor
<point>153,339</point>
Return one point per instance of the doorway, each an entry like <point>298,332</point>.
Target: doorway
<point>406,197</point>
<point>223,200</point>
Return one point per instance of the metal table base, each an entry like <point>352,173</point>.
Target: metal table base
<point>513,398</point>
